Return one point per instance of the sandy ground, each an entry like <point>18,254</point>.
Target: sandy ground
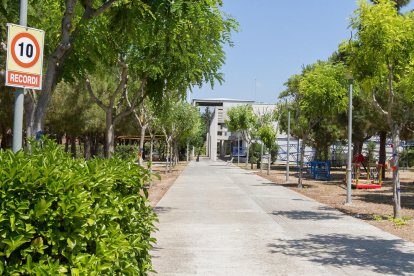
<point>372,206</point>
<point>159,186</point>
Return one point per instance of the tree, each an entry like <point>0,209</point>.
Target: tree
<point>64,23</point>
<point>159,54</point>
<point>242,119</point>
<point>264,130</point>
<point>384,43</point>
<point>178,122</point>
<point>144,116</point>
<point>319,93</point>
<point>118,99</point>
<point>398,3</point>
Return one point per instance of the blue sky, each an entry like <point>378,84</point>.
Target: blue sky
<point>275,39</point>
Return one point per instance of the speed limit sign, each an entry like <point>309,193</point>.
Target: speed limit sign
<point>24,57</point>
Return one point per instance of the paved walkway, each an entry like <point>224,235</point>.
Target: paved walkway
<point>221,220</point>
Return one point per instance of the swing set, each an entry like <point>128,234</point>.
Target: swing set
<point>366,175</point>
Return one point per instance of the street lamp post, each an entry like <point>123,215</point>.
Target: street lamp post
<point>238,148</point>
<point>288,150</point>
<point>349,168</point>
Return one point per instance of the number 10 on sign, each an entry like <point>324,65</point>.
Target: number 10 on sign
<point>24,57</point>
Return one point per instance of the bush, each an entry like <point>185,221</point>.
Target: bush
<point>407,158</point>
<point>255,150</point>
<point>126,152</point>
<point>64,216</point>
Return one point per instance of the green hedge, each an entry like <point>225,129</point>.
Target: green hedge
<point>63,216</point>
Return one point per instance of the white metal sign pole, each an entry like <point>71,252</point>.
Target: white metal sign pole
<point>19,94</point>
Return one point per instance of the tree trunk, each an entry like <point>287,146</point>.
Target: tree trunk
<point>382,151</point>
<point>187,152</point>
<point>29,110</point>
<point>151,150</point>
<point>357,148</point>
<point>167,157</point>
<point>5,139</point>
<point>109,135</point>
<point>171,156</point>
<point>58,138</point>
<point>141,146</point>
<point>302,158</point>
<point>269,158</point>
<point>247,153</point>
<point>87,147</point>
<point>73,146</point>
<point>94,145</point>
<point>66,143</point>
<point>395,131</point>
<point>326,153</point>
<point>395,170</point>
<point>261,158</point>
<point>177,153</point>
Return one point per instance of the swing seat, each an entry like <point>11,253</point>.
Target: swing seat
<point>368,186</point>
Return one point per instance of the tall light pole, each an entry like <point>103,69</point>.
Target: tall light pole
<point>19,94</point>
<point>349,166</point>
<point>238,148</point>
<point>288,151</point>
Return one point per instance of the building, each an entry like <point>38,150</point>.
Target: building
<point>220,141</point>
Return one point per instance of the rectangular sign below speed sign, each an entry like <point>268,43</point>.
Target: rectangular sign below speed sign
<point>24,57</point>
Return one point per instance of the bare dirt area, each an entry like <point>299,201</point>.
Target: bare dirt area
<point>373,206</point>
<point>159,187</point>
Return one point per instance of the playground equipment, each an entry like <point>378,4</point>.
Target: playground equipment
<point>369,177</point>
<point>320,170</point>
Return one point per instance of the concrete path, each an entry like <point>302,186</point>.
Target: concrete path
<point>221,220</point>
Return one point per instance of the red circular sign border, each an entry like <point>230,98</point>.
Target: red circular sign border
<point>13,44</point>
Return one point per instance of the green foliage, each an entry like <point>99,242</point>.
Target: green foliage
<point>316,98</point>
<point>407,158</point>
<point>268,135</point>
<point>324,91</point>
<point>381,57</point>
<point>377,217</point>
<point>73,112</point>
<point>59,215</point>
<point>255,151</point>
<point>398,3</point>
<point>274,151</point>
<point>399,222</point>
<point>370,151</point>
<point>241,118</point>
<point>126,152</point>
<point>180,120</point>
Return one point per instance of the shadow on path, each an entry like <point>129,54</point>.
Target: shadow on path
<point>162,210</point>
<point>307,215</point>
<point>339,250</point>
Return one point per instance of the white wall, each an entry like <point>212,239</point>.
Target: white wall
<point>213,136</point>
